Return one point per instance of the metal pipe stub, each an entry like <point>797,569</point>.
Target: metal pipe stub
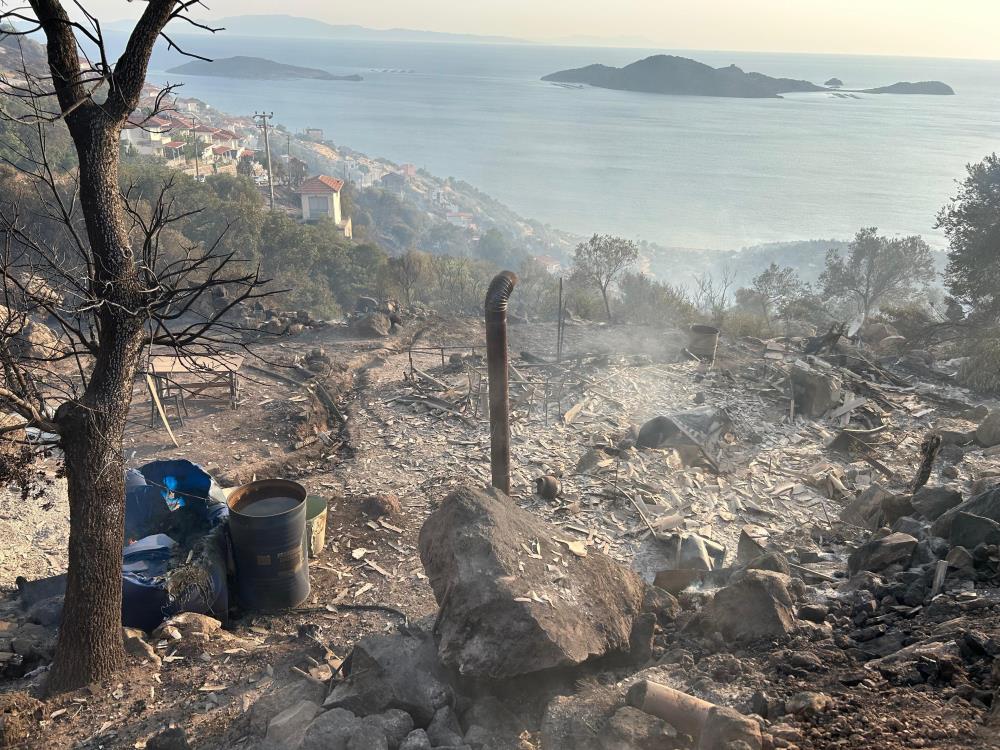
<point>497,297</point>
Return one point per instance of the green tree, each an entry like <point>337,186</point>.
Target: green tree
<point>603,258</point>
<point>774,288</point>
<point>410,271</point>
<point>971,222</point>
<point>537,290</point>
<point>650,302</point>
<point>877,270</point>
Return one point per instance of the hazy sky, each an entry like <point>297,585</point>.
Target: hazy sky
<point>930,28</point>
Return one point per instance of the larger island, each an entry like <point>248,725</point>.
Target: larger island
<point>669,74</point>
<point>257,68</point>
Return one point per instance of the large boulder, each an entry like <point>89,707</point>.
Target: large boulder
<point>878,554</point>
<point>933,502</point>
<point>969,531</point>
<point>514,598</point>
<point>339,729</point>
<point>281,699</point>
<point>399,671</point>
<point>375,325</point>
<point>988,433</point>
<point>757,605</point>
<point>30,339</point>
<point>816,392</point>
<point>866,509</point>
<point>985,504</point>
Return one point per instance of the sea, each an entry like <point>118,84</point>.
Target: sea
<point>680,171</point>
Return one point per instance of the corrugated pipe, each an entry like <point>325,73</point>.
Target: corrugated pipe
<point>496,361</point>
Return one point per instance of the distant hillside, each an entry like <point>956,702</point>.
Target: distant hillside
<point>669,74</point>
<point>298,27</point>
<point>13,47</point>
<point>257,68</point>
<point>935,88</point>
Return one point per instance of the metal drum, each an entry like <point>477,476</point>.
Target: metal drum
<point>267,524</point>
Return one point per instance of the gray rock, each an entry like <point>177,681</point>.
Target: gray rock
<point>988,433</point>
<point>281,699</point>
<point>866,509</point>
<point>808,703</point>
<point>758,605</point>
<point>932,502</point>
<point>394,723</point>
<point>816,392</point>
<point>287,729</point>
<point>367,737</point>
<point>985,504</point>
<point>573,721</point>
<point>895,507</point>
<point>632,729</point>
<point>960,559</point>
<point>661,603</point>
<point>969,531</point>
<point>444,729</point>
<point>416,740</point>
<point>374,325</point>
<point>490,725</point>
<point>46,612</point>
<point>726,728</point>
<point>336,729</point>
<point>879,554</point>
<point>472,552</point>
<point>394,671</point>
<point>773,561</point>
<point>929,550</point>
<point>913,527</point>
<point>813,612</point>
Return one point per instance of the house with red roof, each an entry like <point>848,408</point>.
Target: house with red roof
<point>321,200</point>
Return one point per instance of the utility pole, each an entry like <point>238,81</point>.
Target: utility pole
<point>264,117</point>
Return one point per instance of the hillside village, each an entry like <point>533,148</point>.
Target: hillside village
<point>196,139</point>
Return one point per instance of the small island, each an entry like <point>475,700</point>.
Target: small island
<point>681,76</point>
<point>669,74</point>
<point>932,88</point>
<point>257,68</point>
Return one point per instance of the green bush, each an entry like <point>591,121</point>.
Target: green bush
<point>981,372</point>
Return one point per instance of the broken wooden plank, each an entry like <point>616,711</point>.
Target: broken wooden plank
<point>159,408</point>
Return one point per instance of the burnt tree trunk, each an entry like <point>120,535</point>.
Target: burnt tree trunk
<point>90,645</point>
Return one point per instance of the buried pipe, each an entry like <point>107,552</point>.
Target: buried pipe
<point>684,712</point>
<point>497,297</point>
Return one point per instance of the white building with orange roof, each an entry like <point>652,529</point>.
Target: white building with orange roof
<point>321,200</point>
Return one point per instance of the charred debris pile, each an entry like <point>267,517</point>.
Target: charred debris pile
<point>792,550</point>
<point>792,544</point>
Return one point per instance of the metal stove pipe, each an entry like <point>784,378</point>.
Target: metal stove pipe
<point>496,362</point>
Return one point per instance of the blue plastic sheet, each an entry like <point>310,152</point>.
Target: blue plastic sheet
<point>159,497</point>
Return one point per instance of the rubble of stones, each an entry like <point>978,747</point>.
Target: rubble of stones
<point>879,625</point>
<point>876,622</point>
